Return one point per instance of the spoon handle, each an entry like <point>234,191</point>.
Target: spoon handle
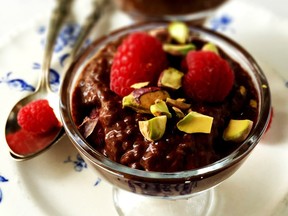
<point>98,8</point>
<point>59,14</point>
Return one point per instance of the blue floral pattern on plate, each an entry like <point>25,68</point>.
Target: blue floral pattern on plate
<point>79,163</point>
<point>66,39</point>
<point>2,179</point>
<point>16,83</point>
<point>221,23</point>
<point>97,181</point>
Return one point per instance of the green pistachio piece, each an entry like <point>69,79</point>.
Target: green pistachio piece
<point>179,103</point>
<point>210,47</point>
<point>178,49</point>
<point>170,78</point>
<point>153,129</point>
<point>160,108</point>
<point>139,85</point>
<point>178,112</point>
<point>141,99</point>
<point>195,122</point>
<point>179,31</point>
<point>237,130</point>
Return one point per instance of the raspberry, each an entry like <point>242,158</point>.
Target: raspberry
<point>24,142</point>
<point>37,117</point>
<point>209,77</point>
<point>14,139</point>
<point>139,58</point>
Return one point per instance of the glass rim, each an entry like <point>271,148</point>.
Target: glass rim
<point>121,170</point>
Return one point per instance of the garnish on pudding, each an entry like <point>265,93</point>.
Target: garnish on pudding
<point>159,101</point>
<point>209,77</point>
<point>139,58</point>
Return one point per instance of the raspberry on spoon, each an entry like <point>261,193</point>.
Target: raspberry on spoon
<point>37,117</point>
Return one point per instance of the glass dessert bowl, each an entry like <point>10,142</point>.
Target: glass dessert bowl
<point>86,88</point>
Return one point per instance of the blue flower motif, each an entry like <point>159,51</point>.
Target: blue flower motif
<point>79,163</point>
<point>97,181</point>
<point>63,58</point>
<point>221,23</point>
<point>19,84</point>
<point>67,36</point>
<point>41,30</point>
<point>2,179</point>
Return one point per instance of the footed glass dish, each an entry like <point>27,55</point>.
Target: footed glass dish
<point>187,192</point>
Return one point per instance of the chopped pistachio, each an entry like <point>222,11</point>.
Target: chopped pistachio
<point>210,47</point>
<point>237,130</point>
<point>195,122</point>
<point>178,112</point>
<point>139,85</point>
<point>179,103</point>
<point>141,99</point>
<point>153,129</point>
<point>179,31</point>
<point>170,78</point>
<point>178,49</point>
<point>160,108</point>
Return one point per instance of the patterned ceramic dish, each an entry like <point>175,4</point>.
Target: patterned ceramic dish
<point>250,191</point>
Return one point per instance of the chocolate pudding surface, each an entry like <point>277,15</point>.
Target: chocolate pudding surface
<point>115,131</point>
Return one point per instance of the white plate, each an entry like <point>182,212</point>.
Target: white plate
<point>58,181</point>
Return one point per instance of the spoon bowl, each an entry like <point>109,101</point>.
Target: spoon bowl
<point>25,144</point>
<point>31,144</point>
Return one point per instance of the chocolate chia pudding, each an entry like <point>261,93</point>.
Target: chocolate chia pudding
<point>113,129</point>
<point>160,8</point>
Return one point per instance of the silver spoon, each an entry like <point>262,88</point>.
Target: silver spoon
<point>43,91</point>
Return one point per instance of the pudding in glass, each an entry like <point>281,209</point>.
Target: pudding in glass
<point>165,129</point>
